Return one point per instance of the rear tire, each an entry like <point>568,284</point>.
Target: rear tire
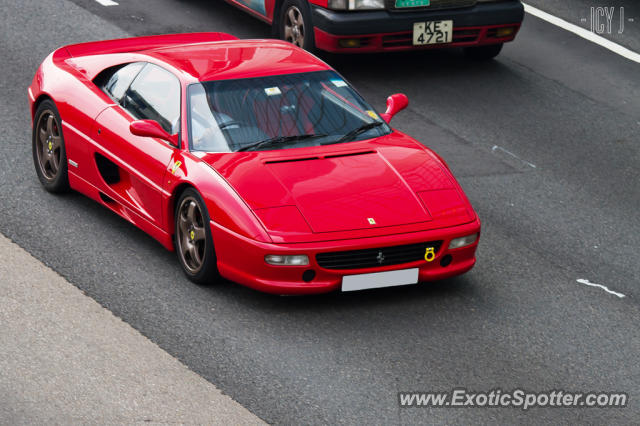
<point>193,241</point>
<point>483,53</point>
<point>294,24</point>
<point>49,153</point>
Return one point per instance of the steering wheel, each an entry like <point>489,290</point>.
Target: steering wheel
<point>207,123</point>
<point>224,125</point>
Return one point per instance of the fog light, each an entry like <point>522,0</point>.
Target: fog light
<point>308,275</point>
<point>280,260</point>
<point>463,241</point>
<point>349,42</point>
<point>504,32</point>
<point>337,4</point>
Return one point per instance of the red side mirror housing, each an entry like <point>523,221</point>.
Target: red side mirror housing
<point>152,129</point>
<point>395,104</point>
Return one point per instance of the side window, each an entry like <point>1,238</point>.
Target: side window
<point>116,85</point>
<point>155,95</point>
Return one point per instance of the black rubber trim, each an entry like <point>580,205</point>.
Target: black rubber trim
<point>376,257</point>
<point>383,21</point>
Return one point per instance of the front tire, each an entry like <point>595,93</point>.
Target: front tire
<point>483,53</point>
<point>193,241</point>
<point>295,24</point>
<point>49,153</point>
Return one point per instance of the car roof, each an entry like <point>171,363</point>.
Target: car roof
<point>237,59</point>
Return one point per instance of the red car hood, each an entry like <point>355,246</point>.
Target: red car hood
<point>369,185</point>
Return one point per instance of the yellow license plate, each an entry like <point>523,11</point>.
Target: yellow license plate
<point>432,32</point>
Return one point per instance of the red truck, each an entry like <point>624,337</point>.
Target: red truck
<point>481,27</point>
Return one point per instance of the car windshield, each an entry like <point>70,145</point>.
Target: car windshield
<point>278,112</point>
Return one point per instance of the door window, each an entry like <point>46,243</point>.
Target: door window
<point>116,85</point>
<point>155,95</point>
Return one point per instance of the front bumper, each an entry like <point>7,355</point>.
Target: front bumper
<point>383,30</point>
<point>242,260</point>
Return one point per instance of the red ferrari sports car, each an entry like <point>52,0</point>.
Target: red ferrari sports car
<point>253,160</point>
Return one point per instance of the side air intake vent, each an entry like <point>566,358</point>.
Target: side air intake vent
<point>108,170</point>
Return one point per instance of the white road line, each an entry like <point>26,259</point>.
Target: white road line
<point>107,2</point>
<point>584,33</point>
<point>496,147</point>
<point>590,284</point>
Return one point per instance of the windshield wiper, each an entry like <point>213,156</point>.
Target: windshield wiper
<point>279,140</point>
<point>355,132</point>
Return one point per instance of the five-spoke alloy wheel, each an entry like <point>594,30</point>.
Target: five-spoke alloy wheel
<point>49,154</point>
<point>193,240</point>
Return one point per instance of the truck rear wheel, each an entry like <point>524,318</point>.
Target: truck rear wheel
<point>295,24</point>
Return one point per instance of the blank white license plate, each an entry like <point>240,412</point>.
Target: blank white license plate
<point>432,32</point>
<point>379,279</point>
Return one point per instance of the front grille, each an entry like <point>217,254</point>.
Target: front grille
<point>406,39</point>
<point>370,258</point>
<point>435,5</point>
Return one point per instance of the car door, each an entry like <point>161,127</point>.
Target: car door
<point>259,7</point>
<point>134,167</point>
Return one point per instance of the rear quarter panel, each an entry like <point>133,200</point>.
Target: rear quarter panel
<point>78,101</point>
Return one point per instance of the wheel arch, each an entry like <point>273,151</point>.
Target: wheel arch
<point>275,31</point>
<point>41,98</point>
<point>171,205</point>
<point>224,205</point>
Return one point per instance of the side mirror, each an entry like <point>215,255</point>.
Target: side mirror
<point>152,129</point>
<point>395,104</point>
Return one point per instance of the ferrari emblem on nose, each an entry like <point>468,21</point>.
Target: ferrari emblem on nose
<point>371,221</point>
<point>380,257</point>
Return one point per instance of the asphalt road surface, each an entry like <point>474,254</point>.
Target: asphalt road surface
<point>544,141</point>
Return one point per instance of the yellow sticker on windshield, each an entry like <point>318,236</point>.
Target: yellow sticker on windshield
<point>272,91</point>
<point>372,114</point>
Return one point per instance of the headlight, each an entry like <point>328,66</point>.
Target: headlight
<point>463,241</point>
<point>281,260</point>
<point>356,4</point>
